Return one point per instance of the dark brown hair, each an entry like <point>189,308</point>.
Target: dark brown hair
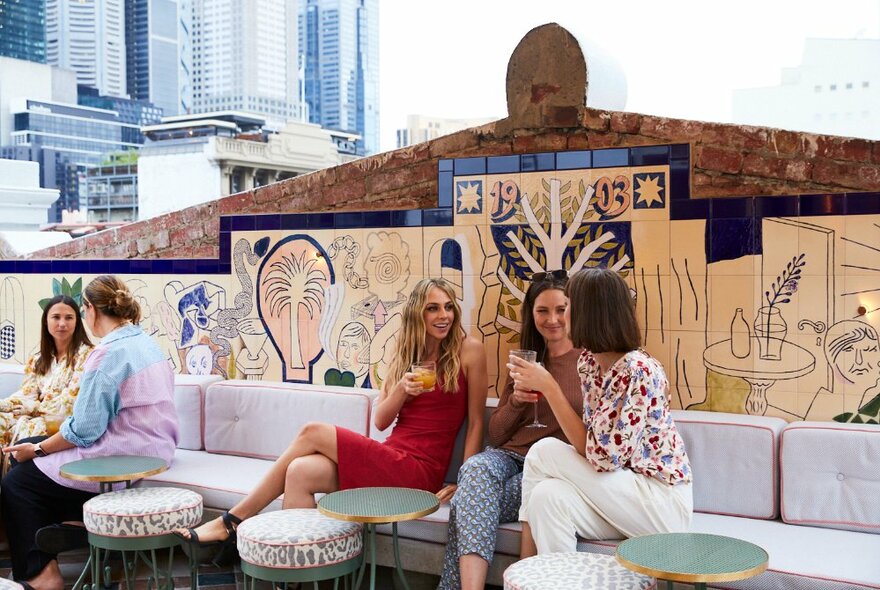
<point>529,337</point>
<point>603,314</point>
<point>47,342</point>
<point>109,295</point>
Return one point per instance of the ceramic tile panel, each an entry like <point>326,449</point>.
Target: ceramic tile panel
<point>317,297</point>
<point>470,204</point>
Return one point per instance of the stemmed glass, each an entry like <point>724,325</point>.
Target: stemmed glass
<point>531,357</point>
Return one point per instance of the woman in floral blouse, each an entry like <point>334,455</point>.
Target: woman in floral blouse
<point>626,472</point>
<point>51,377</point>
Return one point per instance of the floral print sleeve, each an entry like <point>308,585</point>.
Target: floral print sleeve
<point>627,417</point>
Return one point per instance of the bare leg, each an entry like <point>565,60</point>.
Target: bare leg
<point>314,438</point>
<point>474,570</point>
<point>49,578</point>
<point>307,476</point>
<point>527,546</point>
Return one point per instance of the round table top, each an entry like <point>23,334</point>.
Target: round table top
<point>113,468</point>
<point>795,361</point>
<point>692,557</point>
<point>378,505</point>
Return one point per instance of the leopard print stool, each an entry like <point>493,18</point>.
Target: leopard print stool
<point>139,520</point>
<point>298,545</point>
<point>573,571</point>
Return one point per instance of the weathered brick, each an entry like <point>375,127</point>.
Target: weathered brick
<point>839,148</point>
<point>387,181</point>
<point>353,190</point>
<point>604,140</point>
<point>235,203</point>
<point>495,147</point>
<point>560,116</point>
<point>733,136</point>
<point>188,234</point>
<point>449,145</point>
<point>626,122</point>
<point>578,141</point>
<point>722,160</point>
<point>596,120</point>
<point>676,130</point>
<point>781,141</point>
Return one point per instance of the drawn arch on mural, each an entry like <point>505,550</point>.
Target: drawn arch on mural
<point>12,329</point>
<point>452,259</point>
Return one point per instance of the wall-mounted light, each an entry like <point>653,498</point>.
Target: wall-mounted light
<point>862,310</point>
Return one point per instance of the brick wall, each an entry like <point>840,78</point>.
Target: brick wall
<point>547,114</point>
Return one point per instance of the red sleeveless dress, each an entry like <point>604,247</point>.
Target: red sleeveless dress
<point>418,451</point>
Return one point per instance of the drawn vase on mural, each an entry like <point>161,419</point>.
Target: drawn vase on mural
<point>770,330</point>
<point>740,335</point>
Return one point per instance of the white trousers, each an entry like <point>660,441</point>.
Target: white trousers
<point>563,496</point>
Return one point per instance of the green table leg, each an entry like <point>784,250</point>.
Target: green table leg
<point>700,586</point>
<point>397,555</point>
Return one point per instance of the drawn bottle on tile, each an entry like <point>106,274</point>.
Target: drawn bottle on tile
<point>740,337</point>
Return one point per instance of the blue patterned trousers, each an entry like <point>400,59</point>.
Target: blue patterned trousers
<point>489,491</point>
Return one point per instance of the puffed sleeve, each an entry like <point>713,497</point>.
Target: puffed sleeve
<point>618,420</point>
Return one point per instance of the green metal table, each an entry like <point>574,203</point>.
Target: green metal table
<point>372,506</point>
<point>113,469</point>
<point>694,558</point>
<point>107,471</point>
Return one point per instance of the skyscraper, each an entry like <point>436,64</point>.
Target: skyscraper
<point>153,52</point>
<point>339,49</point>
<point>23,29</point>
<point>88,38</point>
<point>244,58</point>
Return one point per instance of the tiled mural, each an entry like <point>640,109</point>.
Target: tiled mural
<point>752,304</point>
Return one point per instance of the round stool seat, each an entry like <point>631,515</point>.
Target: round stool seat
<point>577,571</point>
<point>298,538</point>
<point>142,512</point>
<point>10,585</point>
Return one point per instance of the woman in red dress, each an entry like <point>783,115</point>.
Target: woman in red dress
<point>326,458</point>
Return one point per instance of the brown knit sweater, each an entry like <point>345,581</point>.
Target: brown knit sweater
<point>507,425</point>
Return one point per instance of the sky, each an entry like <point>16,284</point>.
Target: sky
<point>682,58</point>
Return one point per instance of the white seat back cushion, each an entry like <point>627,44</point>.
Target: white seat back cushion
<point>733,459</point>
<point>830,476</point>
<point>11,377</point>
<point>254,419</point>
<point>189,399</point>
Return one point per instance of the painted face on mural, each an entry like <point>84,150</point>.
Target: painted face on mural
<point>550,313</point>
<point>198,360</point>
<point>439,314</point>
<point>353,349</point>
<point>852,349</point>
<point>61,322</point>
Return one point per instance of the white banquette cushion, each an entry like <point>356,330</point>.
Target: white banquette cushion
<point>11,377</point>
<point>189,400</point>
<point>830,475</point>
<point>733,459</point>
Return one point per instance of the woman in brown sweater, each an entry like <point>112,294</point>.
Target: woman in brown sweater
<point>489,483</point>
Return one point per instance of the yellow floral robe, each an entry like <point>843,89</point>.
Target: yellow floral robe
<point>21,414</point>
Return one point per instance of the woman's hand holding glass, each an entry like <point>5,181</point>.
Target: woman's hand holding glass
<point>530,377</point>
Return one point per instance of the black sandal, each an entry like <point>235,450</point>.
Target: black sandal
<point>212,552</point>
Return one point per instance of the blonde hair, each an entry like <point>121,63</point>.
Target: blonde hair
<point>411,339</point>
<point>109,295</point>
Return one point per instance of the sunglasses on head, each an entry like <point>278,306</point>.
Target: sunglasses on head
<point>550,275</point>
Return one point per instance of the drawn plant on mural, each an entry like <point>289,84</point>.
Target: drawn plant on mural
<point>293,282</point>
<point>786,283</point>
<point>770,327</point>
<point>554,237</point>
<point>62,287</point>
